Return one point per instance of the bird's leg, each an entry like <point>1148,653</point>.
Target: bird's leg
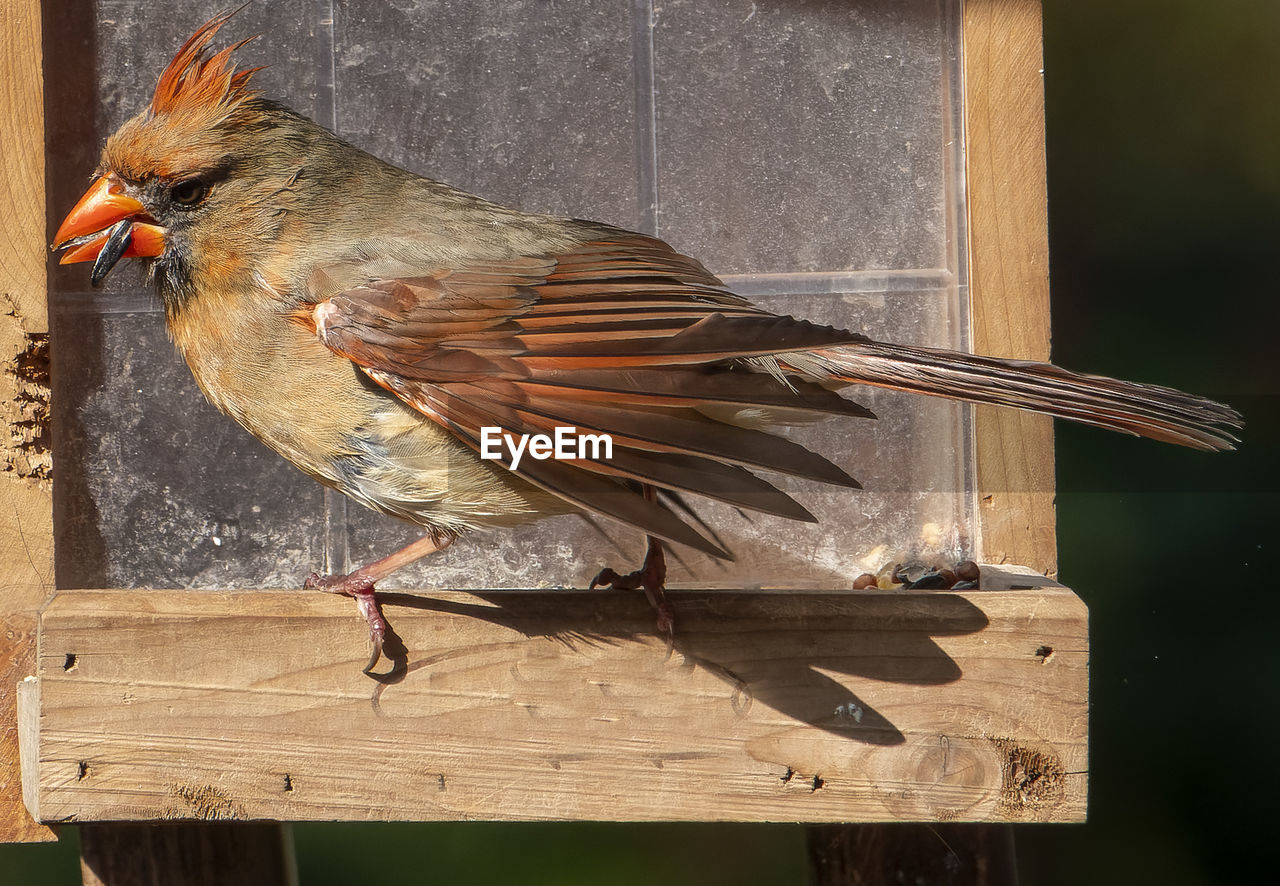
<point>651,576</point>
<point>359,584</point>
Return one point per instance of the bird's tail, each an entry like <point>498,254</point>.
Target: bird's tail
<point>1145,410</point>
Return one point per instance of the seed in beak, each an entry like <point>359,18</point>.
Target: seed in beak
<point>117,242</point>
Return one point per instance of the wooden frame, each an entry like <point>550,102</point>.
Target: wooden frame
<point>1009,269</point>
<point>26,530</point>
<point>945,665</point>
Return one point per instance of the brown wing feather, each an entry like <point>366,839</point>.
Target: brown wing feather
<point>532,345</point>
<point>588,490</point>
<point>692,386</point>
<point>665,466</point>
<point>663,429</point>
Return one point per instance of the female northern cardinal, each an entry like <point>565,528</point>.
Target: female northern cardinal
<point>370,325</point>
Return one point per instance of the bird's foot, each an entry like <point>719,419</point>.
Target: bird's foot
<point>652,577</point>
<point>360,589</point>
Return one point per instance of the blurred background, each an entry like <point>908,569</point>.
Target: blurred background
<point>1164,217</point>
<point>1164,185</point>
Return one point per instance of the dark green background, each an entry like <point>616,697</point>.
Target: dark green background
<point>1164,184</point>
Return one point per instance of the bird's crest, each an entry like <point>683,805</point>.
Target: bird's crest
<point>202,81</point>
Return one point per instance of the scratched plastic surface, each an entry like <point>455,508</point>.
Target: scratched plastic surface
<point>804,150</point>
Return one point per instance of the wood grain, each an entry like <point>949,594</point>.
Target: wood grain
<point>26,527</point>
<point>519,705</point>
<point>1009,262</point>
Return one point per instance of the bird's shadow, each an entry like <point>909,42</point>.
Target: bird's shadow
<point>779,662</point>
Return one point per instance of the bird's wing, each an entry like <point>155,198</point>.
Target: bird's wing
<point>620,336</point>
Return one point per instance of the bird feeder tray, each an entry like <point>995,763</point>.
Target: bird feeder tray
<point>773,705</point>
<point>878,166</point>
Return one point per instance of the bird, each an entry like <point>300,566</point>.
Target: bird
<point>422,349</point>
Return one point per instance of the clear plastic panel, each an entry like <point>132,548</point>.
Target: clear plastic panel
<point>526,104</point>
<point>168,492</point>
<point>810,152</point>
<point>800,136</point>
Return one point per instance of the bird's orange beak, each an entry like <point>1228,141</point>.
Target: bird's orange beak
<point>97,222</point>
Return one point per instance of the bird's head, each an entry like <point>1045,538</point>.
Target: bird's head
<point>197,181</point>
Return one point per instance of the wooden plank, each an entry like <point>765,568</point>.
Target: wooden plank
<point>1009,269</point>
<point>26,496</point>
<point>518,705</point>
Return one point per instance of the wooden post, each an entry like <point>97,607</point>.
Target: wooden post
<point>1009,269</point>
<point>212,854</point>
<point>937,854</point>
<point>26,494</point>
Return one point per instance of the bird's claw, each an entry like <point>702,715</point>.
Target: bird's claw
<point>652,578</point>
<point>367,605</point>
<point>361,590</point>
<point>607,578</point>
<point>347,585</point>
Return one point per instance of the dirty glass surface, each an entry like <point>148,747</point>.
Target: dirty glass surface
<point>809,152</point>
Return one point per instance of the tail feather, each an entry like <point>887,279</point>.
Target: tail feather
<point>1144,410</point>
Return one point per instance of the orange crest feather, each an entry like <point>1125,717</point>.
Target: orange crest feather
<point>200,80</point>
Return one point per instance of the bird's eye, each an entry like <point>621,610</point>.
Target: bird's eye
<point>188,192</point>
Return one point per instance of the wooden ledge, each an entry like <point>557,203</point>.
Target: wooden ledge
<point>774,706</point>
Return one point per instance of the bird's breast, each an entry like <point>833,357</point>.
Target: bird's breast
<point>273,376</point>
<point>322,413</point>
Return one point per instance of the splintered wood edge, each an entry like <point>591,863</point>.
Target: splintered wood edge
<point>774,706</point>
<point>1009,264</point>
<point>26,532</point>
